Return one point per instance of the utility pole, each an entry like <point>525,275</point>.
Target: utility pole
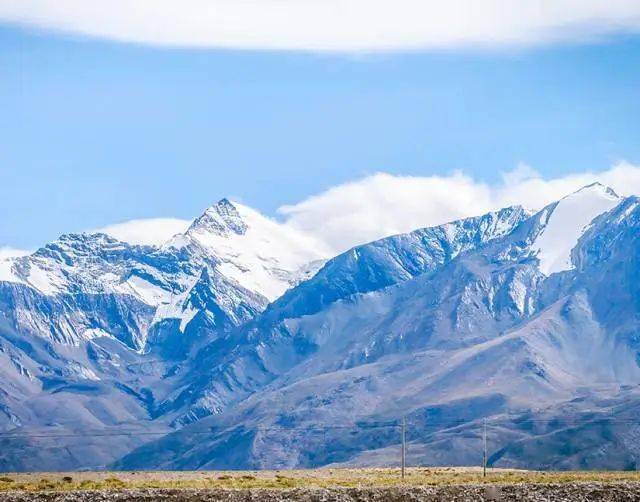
<point>484,447</point>
<point>404,444</point>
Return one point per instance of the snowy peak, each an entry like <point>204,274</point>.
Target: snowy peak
<point>596,188</point>
<point>260,254</point>
<point>51,269</point>
<point>564,222</point>
<point>221,219</point>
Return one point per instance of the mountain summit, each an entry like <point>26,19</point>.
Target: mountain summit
<point>565,221</point>
<point>258,253</point>
<point>222,218</point>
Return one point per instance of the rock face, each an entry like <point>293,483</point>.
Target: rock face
<point>227,347</point>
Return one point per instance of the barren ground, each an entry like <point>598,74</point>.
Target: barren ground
<point>321,485</point>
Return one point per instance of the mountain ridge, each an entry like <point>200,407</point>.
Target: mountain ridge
<point>227,326</point>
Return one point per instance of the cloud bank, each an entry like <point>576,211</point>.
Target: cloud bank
<point>382,204</point>
<point>9,252</point>
<point>330,25</point>
<point>150,231</point>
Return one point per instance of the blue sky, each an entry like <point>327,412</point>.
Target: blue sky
<point>96,131</point>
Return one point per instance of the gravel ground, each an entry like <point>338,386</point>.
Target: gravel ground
<point>570,492</point>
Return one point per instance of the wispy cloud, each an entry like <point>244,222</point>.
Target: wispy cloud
<point>9,252</point>
<point>330,25</point>
<point>383,204</point>
<point>150,231</point>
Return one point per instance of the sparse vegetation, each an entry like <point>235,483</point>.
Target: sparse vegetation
<point>320,478</point>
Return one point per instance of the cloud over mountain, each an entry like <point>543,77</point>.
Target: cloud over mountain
<point>331,25</point>
<point>383,204</point>
<point>149,231</point>
<point>9,252</point>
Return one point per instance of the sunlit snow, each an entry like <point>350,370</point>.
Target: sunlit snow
<point>149,293</point>
<point>6,271</point>
<point>260,254</point>
<point>44,281</point>
<point>567,222</point>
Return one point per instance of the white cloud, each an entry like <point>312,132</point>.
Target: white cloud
<point>9,252</point>
<point>383,204</point>
<point>330,25</point>
<point>151,231</point>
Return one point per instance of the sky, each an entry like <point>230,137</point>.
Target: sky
<point>108,117</point>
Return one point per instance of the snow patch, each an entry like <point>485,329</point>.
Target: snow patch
<point>518,293</point>
<point>627,212</point>
<point>186,318</point>
<point>90,334</point>
<point>83,372</point>
<point>175,308</point>
<point>566,223</point>
<point>149,293</point>
<point>6,272</point>
<point>43,280</point>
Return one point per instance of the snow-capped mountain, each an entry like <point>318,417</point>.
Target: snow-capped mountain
<point>238,327</point>
<point>269,345</point>
<point>253,258</point>
<point>526,325</point>
<point>91,315</point>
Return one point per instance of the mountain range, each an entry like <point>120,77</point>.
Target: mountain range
<point>242,343</point>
